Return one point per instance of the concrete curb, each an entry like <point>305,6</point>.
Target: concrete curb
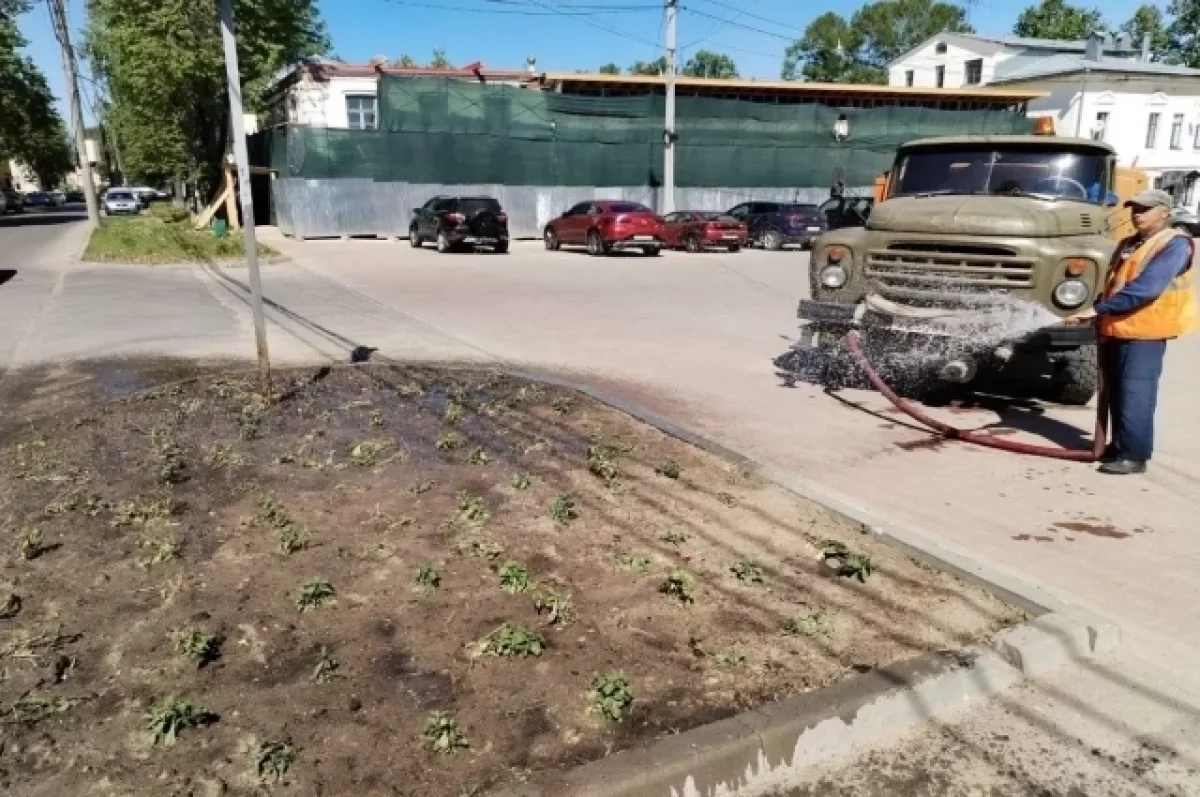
<point>759,751</point>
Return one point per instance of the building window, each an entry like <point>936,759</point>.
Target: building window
<point>974,72</point>
<point>1177,131</point>
<point>908,78</point>
<point>940,49</point>
<point>1100,128</point>
<point>360,112</point>
<point>1152,131</point>
<point>941,77</point>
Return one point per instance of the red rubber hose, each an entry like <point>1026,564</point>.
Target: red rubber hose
<point>854,343</point>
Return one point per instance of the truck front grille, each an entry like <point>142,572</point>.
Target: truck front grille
<point>919,270</point>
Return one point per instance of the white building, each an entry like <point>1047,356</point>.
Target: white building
<point>323,93</point>
<point>1103,88</point>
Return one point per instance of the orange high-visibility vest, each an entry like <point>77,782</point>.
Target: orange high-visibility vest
<point>1171,315</point>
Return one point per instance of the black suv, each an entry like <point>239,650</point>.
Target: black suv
<point>772,225</point>
<point>456,222</point>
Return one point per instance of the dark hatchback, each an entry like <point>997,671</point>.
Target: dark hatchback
<point>774,225</point>
<point>455,223</point>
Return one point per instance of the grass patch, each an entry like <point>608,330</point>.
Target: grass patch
<point>146,239</point>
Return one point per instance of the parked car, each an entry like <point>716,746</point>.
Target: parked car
<point>57,198</point>
<point>1186,220</point>
<point>847,211</point>
<point>454,222</point>
<point>147,195</point>
<point>121,201</point>
<point>696,231</point>
<point>38,199</point>
<point>74,196</point>
<point>14,201</point>
<point>604,226</point>
<point>774,225</point>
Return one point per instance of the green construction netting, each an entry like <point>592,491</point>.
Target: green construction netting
<point>452,131</point>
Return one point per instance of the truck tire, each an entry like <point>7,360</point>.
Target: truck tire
<point>1076,376</point>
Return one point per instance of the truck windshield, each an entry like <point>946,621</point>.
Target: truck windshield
<point>1018,171</point>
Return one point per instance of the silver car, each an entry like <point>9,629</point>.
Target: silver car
<point>120,202</point>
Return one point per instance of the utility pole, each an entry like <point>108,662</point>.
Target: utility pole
<point>237,120</point>
<point>668,193</point>
<point>58,16</point>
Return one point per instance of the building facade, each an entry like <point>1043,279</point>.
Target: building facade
<point>1104,88</point>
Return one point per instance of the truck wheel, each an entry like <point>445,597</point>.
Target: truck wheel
<point>1076,376</point>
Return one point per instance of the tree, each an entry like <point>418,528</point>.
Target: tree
<point>1148,20</point>
<point>706,63</point>
<point>163,66</point>
<point>609,69</point>
<point>656,67</point>
<point>833,50</point>
<point>440,61</point>
<point>1057,19</point>
<point>405,61</point>
<point>31,131</point>
<point>1183,34</point>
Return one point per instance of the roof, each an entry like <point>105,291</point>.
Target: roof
<point>1068,141</point>
<point>990,45</point>
<point>323,69</point>
<point>1019,69</point>
<point>795,87</point>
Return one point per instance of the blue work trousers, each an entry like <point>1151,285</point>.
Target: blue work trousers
<point>1131,371</point>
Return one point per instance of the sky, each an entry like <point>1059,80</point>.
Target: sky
<point>563,35</point>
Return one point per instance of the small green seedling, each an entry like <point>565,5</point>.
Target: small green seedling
<point>564,510</point>
<point>481,547</point>
<point>612,696</point>
<point>326,667</point>
<point>669,468</point>
<point>748,572</point>
<point>454,413</point>
<point>728,499</point>
<point>857,565</point>
<point>32,544</point>
<point>169,717</point>
<point>314,595</point>
<point>197,644</point>
<point>629,563</point>
<point>142,510</point>
<point>514,577</point>
<point>250,419</point>
<point>442,733</point>
<point>563,404</point>
<point>675,538</point>
<point>678,585</point>
<point>292,539</point>
<point>34,708</point>
<point>274,759</point>
<point>558,608</point>
<point>601,462</point>
<point>810,625</point>
<point>472,508</point>
<point>450,441</point>
<point>509,640</point>
<point>376,417</point>
<point>522,481</point>
<point>162,548</point>
<point>479,456</point>
<point>729,658</point>
<point>369,453</point>
<point>428,579</point>
<point>422,487</point>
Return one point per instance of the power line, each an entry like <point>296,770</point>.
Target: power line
<point>580,11</point>
<point>614,31</point>
<point>742,12</point>
<point>789,39</point>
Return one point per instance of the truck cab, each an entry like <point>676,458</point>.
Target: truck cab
<point>980,246</point>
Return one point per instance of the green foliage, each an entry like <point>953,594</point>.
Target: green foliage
<point>810,625</point>
<point>31,131</point>
<point>564,510</point>
<point>675,538</point>
<point>272,760</point>
<point>197,644</point>
<point>313,595</point>
<point>612,696</point>
<point>481,547</point>
<point>139,239</point>
<point>629,563</point>
<point>729,658</point>
<point>472,508</point>
<point>558,608</point>
<point>162,548</point>
<point>168,213</point>
<point>405,61</point>
<point>292,537</point>
<point>678,585</point>
<point>449,441</point>
<point>563,404</point>
<point>748,572</point>
<point>847,563</point>
<point>609,69</point>
<point>656,67</point>
<point>169,717</point>
<point>706,63</point>
<point>728,499</point>
<point>601,461</point>
<point>33,708</point>
<point>669,468</point>
<point>479,456</point>
<point>442,733</point>
<point>522,481</point>
<point>32,544</point>
<point>368,453</point>
<point>509,640</point>
<point>162,64</point>
<point>1057,19</point>
<point>1183,34</point>
<point>439,60</point>
<point>834,50</point>
<point>454,413</point>
<point>325,670</point>
<point>514,577</point>
<point>428,579</point>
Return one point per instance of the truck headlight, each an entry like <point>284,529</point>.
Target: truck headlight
<point>833,276</point>
<point>1071,293</point>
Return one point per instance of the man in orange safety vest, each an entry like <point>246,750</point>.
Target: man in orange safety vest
<point>1149,297</point>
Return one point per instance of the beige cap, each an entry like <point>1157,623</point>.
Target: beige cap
<point>1151,198</point>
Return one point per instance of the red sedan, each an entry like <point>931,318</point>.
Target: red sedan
<point>604,226</point>
<point>696,231</point>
